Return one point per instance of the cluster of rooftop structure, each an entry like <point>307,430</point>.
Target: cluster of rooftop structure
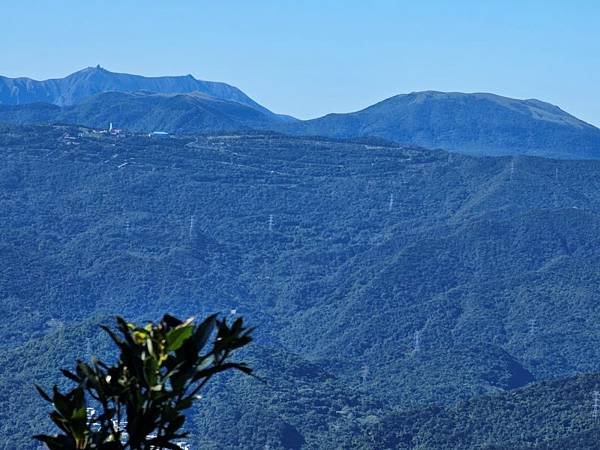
<point>121,426</point>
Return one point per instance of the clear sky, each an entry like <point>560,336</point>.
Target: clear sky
<point>308,58</point>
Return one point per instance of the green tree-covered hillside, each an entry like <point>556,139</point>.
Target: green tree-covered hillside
<point>410,277</point>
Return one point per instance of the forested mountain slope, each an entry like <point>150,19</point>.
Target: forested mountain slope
<point>144,112</point>
<point>301,406</point>
<point>553,415</point>
<point>481,123</point>
<point>407,275</point>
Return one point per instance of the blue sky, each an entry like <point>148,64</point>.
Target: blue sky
<point>308,58</point>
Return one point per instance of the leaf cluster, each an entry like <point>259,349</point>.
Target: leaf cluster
<point>142,398</point>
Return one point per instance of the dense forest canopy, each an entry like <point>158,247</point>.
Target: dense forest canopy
<point>387,283</point>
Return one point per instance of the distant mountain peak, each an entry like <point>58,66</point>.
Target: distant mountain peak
<point>86,70</point>
<point>536,108</point>
<point>90,81</point>
<point>476,123</point>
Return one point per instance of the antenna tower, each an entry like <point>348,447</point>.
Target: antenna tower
<point>417,341</point>
<point>532,326</point>
<point>364,373</point>
<point>192,223</point>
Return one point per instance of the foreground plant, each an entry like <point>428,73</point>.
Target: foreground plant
<point>138,403</point>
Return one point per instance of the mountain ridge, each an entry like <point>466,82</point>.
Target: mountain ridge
<point>177,113</point>
<point>471,123</point>
<point>73,88</point>
<point>474,123</point>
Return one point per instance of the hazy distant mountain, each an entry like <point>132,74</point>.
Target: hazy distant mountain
<point>480,124</point>
<point>141,112</point>
<point>471,123</point>
<point>95,80</point>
